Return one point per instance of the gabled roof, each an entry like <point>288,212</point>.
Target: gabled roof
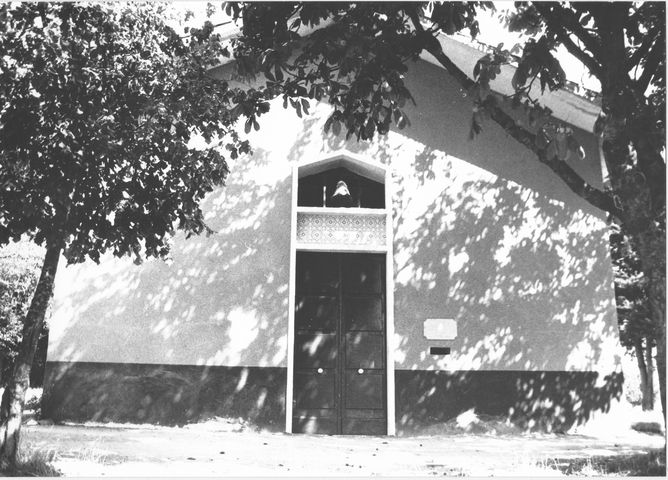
<point>565,105</point>
<point>343,158</point>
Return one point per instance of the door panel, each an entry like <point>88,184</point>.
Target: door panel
<point>317,273</point>
<point>355,426</point>
<point>315,402</point>
<point>316,350</point>
<point>315,392</point>
<point>316,313</point>
<point>363,274</point>
<point>364,313</point>
<point>365,350</point>
<point>315,424</point>
<point>340,376</point>
<point>364,390</point>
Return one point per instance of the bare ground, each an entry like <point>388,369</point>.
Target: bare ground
<point>211,449</point>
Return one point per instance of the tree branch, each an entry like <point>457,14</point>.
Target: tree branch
<point>221,24</point>
<point>576,183</point>
<point>557,27</point>
<point>572,23</point>
<point>649,69</point>
<point>567,20</point>
<point>579,186</point>
<point>642,50</point>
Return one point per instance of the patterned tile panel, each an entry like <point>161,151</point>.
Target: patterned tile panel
<point>341,229</point>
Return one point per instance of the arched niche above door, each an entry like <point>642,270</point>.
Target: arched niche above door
<point>319,180</point>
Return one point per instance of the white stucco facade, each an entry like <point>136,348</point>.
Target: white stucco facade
<point>483,234</point>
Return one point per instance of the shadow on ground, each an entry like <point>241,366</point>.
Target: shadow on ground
<point>650,464</point>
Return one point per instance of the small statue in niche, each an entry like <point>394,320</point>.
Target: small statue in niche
<point>341,196</point>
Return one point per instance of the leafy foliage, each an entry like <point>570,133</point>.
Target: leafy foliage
<point>357,62</point>
<point>100,104</point>
<point>632,303</point>
<point>19,270</point>
<point>639,331</point>
<point>624,48</point>
<point>355,57</point>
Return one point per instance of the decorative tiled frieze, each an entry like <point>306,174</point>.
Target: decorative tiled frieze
<point>346,229</point>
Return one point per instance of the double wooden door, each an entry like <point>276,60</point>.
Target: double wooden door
<point>339,356</point>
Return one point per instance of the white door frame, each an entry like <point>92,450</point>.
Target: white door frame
<point>377,171</point>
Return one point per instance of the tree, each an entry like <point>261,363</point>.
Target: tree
<point>357,58</point>
<point>19,270</point>
<point>98,107</point>
<point>636,330</point>
<point>624,47</point>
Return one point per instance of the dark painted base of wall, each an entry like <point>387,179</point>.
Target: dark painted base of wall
<point>179,394</point>
<point>163,394</point>
<point>541,401</point>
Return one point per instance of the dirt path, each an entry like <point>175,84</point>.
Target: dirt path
<point>159,451</point>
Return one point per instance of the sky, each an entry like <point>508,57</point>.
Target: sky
<point>492,32</point>
<point>198,8</point>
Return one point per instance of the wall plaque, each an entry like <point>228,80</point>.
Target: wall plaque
<point>440,329</point>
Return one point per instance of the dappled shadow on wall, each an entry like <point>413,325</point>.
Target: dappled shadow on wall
<point>203,333</point>
<point>165,394</point>
<point>510,265</point>
<point>532,401</point>
<point>526,276</point>
<point>528,280</point>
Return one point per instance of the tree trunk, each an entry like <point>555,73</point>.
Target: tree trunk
<point>661,368</point>
<point>652,252</point>
<point>648,392</point>
<point>642,368</point>
<point>659,316</point>
<point>13,399</point>
<point>642,204</point>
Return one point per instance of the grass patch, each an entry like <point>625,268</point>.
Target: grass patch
<point>651,464</point>
<point>34,463</point>
<point>94,455</point>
